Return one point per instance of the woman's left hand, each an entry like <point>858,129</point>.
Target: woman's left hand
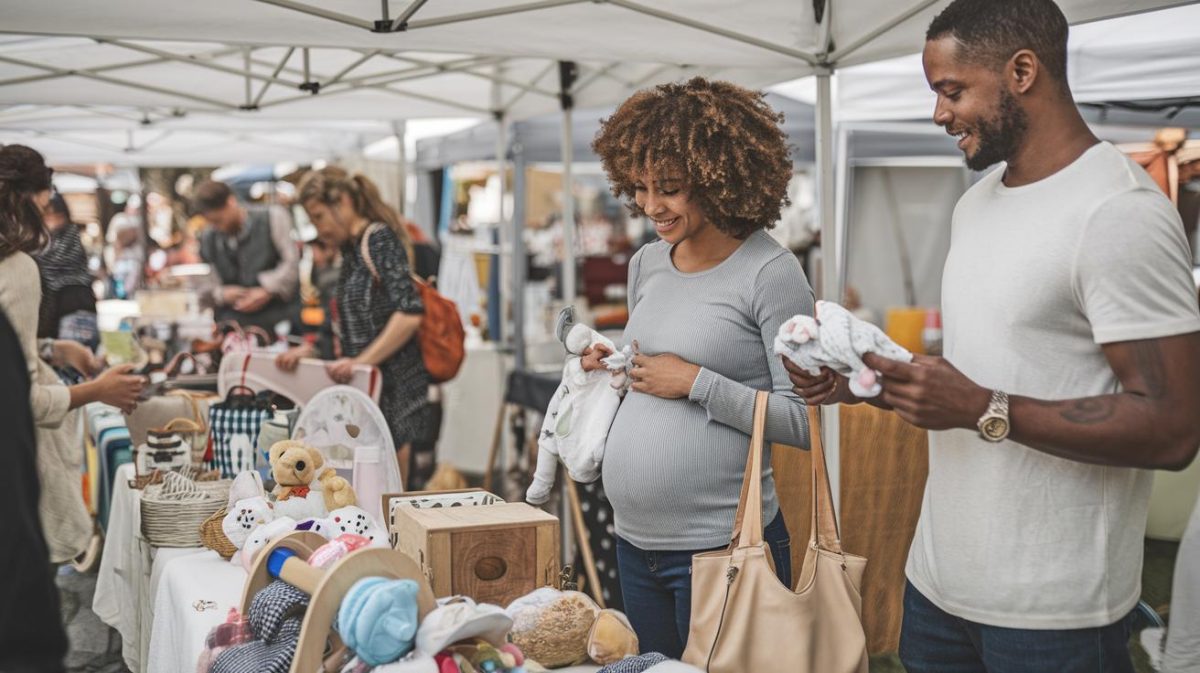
<point>77,356</point>
<point>667,375</point>
<point>341,371</point>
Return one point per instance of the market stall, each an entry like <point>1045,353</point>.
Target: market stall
<point>786,41</point>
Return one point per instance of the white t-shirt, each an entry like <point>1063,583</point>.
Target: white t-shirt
<point>1038,277</point>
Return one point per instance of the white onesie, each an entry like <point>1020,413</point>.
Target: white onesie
<point>576,425</point>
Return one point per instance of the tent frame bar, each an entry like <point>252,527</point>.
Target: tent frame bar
<point>322,13</point>
<point>866,39</point>
<point>168,56</point>
<point>408,25</point>
<point>266,85</point>
<point>89,74</point>
<point>521,93</point>
<point>401,22</point>
<point>490,13</point>
<point>807,57</point>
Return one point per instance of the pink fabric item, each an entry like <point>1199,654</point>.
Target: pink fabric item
<point>515,652</point>
<point>446,663</point>
<point>337,548</point>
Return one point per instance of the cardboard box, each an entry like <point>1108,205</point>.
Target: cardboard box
<point>493,553</point>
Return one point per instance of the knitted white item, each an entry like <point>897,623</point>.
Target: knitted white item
<point>838,340</point>
<point>576,424</point>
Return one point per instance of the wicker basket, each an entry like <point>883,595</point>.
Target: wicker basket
<point>212,535</point>
<point>174,511</point>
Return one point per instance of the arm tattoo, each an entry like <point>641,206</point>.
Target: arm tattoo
<point>1090,411</point>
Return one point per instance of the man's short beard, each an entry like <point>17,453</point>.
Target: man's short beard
<point>999,138</point>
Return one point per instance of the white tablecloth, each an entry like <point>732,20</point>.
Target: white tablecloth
<point>179,628</point>
<point>128,572</point>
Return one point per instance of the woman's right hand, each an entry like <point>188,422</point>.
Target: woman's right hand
<point>828,387</point>
<point>120,388</point>
<point>289,360</point>
<point>592,356</point>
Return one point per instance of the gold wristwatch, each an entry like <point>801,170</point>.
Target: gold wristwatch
<point>993,424</point>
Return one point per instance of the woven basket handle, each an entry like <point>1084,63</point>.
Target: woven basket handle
<point>178,487</point>
<point>181,425</point>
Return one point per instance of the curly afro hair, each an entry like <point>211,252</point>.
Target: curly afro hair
<point>722,141</point>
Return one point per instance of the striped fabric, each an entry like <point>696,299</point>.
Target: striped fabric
<point>64,261</point>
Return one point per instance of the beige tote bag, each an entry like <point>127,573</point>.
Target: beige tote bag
<point>745,619</point>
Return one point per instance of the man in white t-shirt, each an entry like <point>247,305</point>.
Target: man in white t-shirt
<point>1072,366</point>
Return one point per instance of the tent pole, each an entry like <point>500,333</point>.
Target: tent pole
<point>518,257</point>
<point>507,296</point>
<point>830,267</point>
<point>400,129</point>
<point>567,73</point>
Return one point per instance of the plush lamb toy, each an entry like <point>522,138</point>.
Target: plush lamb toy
<point>838,340</point>
<point>580,413</point>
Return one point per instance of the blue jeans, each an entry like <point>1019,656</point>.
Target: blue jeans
<point>657,588</point>
<point>934,641</point>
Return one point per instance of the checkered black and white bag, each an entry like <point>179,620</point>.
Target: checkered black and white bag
<point>234,425</point>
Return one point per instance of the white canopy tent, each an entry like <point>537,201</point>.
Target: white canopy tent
<point>1111,64</point>
<point>755,42</point>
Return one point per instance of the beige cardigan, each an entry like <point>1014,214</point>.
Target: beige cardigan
<point>64,516</point>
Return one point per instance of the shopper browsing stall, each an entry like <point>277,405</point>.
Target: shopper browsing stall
<point>1071,368</point>
<point>251,249</point>
<point>66,279</point>
<point>379,306</point>
<point>708,163</point>
<point>24,192</point>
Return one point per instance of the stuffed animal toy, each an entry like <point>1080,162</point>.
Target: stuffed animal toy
<point>576,424</point>
<point>552,627</point>
<point>295,466</point>
<point>260,537</point>
<point>244,516</point>
<point>838,340</point>
<point>356,520</point>
<point>612,638</point>
<point>346,520</point>
<point>338,492</point>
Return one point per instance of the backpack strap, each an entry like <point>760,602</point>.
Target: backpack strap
<point>365,250</point>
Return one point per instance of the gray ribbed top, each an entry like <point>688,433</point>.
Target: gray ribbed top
<point>673,468</point>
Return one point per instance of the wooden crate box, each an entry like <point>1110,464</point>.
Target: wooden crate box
<point>493,553</point>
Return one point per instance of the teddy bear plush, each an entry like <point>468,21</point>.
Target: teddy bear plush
<point>295,466</point>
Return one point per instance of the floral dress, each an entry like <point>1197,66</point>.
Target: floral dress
<point>365,306</point>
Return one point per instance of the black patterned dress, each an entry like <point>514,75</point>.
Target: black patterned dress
<point>365,307</point>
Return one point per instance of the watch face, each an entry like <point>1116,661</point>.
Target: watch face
<point>995,428</point>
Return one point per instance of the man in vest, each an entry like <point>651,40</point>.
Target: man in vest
<point>251,250</point>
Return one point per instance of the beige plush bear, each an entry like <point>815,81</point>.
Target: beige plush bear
<point>295,466</point>
<point>337,491</point>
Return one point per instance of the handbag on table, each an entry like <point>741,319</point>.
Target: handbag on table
<point>234,425</point>
<point>744,619</point>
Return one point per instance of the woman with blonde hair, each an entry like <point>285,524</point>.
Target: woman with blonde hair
<point>379,305</point>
